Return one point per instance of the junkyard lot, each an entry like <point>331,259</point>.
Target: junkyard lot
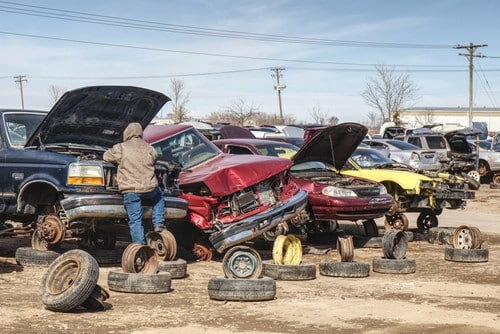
<point>441,297</point>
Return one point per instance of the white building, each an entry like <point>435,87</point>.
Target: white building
<point>416,117</point>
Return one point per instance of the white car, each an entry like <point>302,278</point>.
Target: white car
<point>406,153</point>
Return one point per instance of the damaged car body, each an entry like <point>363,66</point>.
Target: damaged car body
<point>54,181</point>
<point>232,199</point>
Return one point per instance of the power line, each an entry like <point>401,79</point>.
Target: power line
<point>92,18</point>
<point>202,53</point>
<point>20,79</point>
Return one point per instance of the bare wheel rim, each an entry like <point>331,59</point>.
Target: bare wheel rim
<point>49,233</point>
<point>462,237</point>
<point>474,174</point>
<point>242,262</point>
<point>139,258</point>
<point>345,249</point>
<point>202,252</point>
<point>38,243</point>
<point>477,239</point>
<point>163,243</point>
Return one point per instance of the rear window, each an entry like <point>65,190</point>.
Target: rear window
<point>435,142</point>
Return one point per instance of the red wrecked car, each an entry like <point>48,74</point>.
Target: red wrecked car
<point>231,199</point>
<point>316,167</point>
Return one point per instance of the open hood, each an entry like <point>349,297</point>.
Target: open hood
<point>332,145</point>
<point>97,115</point>
<point>462,132</point>
<point>234,131</point>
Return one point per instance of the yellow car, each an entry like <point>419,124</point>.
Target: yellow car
<point>424,192</point>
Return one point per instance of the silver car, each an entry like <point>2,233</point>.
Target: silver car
<point>489,158</point>
<point>407,153</point>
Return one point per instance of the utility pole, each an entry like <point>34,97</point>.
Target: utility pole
<point>20,79</point>
<point>279,87</point>
<point>470,56</point>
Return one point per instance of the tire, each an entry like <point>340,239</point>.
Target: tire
<point>394,266</point>
<point>441,235</point>
<point>426,221</point>
<point>466,255</point>
<point>289,272</point>
<point>473,183</point>
<point>344,269</point>
<point>27,256</point>
<point>370,227</point>
<point>96,300</point>
<point>256,289</point>
<point>176,268</point>
<point>139,282</point>
<point>69,281</point>
<point>395,244</point>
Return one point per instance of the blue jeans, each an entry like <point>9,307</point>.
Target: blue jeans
<point>133,205</point>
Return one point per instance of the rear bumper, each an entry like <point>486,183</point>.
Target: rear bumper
<point>252,227</point>
<point>111,207</point>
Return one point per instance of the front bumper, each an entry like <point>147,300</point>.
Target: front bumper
<point>111,207</point>
<point>252,227</point>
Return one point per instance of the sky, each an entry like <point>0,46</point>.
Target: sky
<point>224,51</point>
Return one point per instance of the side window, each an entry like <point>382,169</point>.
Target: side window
<point>415,141</point>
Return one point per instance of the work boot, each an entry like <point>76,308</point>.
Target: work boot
<point>159,228</point>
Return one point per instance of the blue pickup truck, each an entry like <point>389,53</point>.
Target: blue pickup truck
<point>53,181</point>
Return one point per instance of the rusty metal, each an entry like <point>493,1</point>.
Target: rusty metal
<point>467,237</point>
<point>15,230</point>
<point>202,252</point>
<point>398,222</point>
<point>139,258</point>
<point>51,229</point>
<point>163,243</point>
<point>345,249</point>
<point>395,244</point>
<point>281,229</point>
<point>96,299</point>
<point>242,262</point>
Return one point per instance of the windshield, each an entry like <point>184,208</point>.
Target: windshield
<point>21,125</point>
<point>189,148</point>
<point>368,158</point>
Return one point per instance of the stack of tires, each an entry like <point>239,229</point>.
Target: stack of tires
<point>468,246</point>
<point>242,280</point>
<point>394,261</point>
<point>71,282</point>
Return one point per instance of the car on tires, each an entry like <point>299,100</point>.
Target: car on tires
<point>425,192</point>
<point>316,167</point>
<point>232,198</point>
<point>53,178</point>
<point>488,152</point>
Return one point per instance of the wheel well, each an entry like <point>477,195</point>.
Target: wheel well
<point>36,195</point>
<point>485,163</point>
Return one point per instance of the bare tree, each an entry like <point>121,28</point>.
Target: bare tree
<point>333,120</point>
<point>389,92</point>
<point>263,118</point>
<point>179,98</point>
<point>241,113</point>
<point>319,116</point>
<point>56,93</point>
<point>426,118</point>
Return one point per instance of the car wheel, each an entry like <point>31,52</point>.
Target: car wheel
<point>242,262</point>
<point>472,182</point>
<point>27,256</point>
<point>394,266</point>
<point>395,244</point>
<point>370,227</point>
<point>139,258</point>
<point>289,272</point>
<point>69,281</point>
<point>426,221</point>
<point>176,268</point>
<point>344,269</point>
<point>257,289</point>
<point>474,174</point>
<point>398,221</point>
<point>466,255</point>
<point>160,282</point>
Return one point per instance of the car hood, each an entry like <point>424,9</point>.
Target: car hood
<point>97,115</point>
<point>228,173</point>
<point>234,131</point>
<point>332,145</point>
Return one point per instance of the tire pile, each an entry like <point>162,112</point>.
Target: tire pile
<point>468,246</point>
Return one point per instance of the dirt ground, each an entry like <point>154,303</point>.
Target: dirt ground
<point>440,297</point>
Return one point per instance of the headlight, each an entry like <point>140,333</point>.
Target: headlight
<point>414,156</point>
<point>338,192</point>
<point>382,190</point>
<point>85,175</point>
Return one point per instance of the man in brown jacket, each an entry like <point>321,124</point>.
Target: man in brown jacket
<point>137,180</point>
